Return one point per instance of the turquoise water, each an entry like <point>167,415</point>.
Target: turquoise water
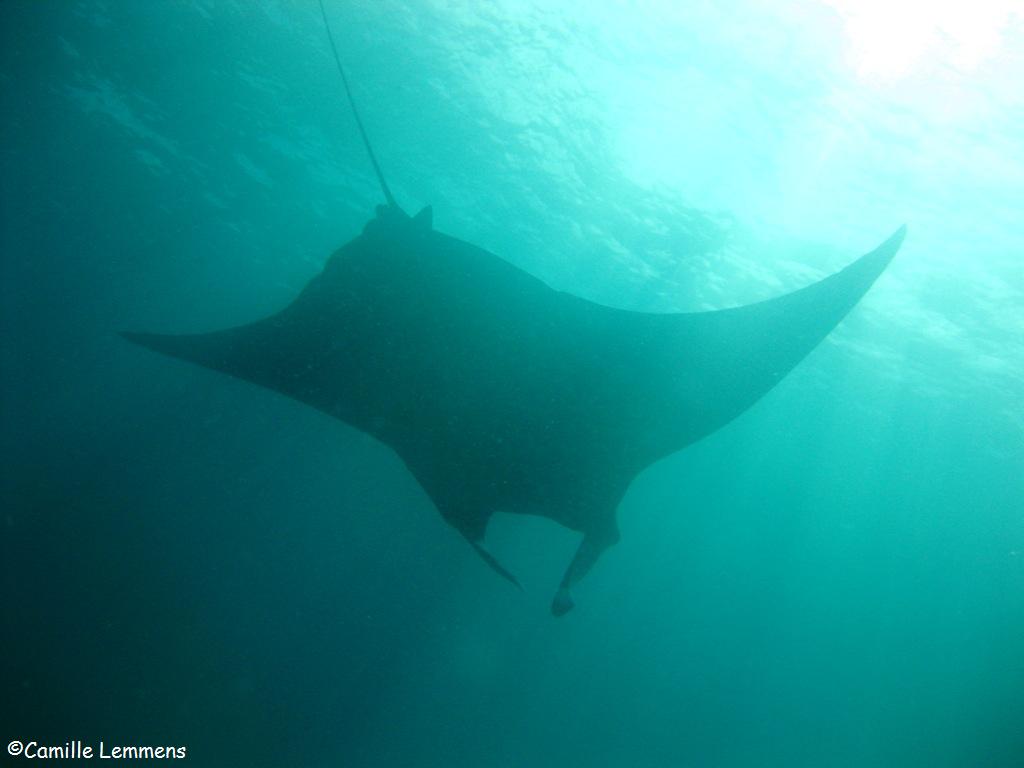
<point>835,579</point>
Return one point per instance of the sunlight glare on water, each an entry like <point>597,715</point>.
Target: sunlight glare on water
<point>893,39</point>
<point>832,122</point>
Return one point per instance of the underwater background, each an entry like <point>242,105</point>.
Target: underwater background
<point>834,579</point>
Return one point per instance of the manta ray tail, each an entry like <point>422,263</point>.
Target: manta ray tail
<point>355,113</point>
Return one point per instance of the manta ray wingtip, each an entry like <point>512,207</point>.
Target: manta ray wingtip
<point>876,261</point>
<point>133,336</point>
<point>147,340</point>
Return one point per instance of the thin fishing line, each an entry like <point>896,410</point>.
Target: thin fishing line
<point>355,112</point>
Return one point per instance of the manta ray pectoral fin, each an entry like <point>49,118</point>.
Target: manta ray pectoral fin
<point>493,562</point>
<point>590,549</point>
<point>425,218</point>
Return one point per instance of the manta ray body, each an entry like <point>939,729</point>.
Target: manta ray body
<point>501,393</point>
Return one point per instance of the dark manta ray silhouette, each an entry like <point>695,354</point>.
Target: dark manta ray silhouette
<point>501,393</point>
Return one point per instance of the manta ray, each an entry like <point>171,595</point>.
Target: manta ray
<point>501,393</point>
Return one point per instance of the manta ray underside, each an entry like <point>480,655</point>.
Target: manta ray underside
<point>500,393</point>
